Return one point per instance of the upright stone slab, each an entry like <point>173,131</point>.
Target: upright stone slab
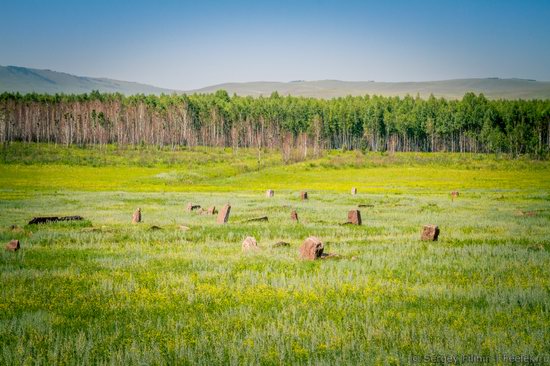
<point>211,210</point>
<point>249,244</point>
<point>294,216</point>
<point>354,217</point>
<point>223,216</point>
<point>13,245</point>
<point>353,191</point>
<point>303,195</point>
<point>136,217</point>
<point>454,194</point>
<point>269,193</point>
<point>311,249</point>
<point>430,232</point>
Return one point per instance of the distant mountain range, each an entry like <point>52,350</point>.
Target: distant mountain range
<point>26,80</point>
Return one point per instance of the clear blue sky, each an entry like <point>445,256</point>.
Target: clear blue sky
<point>191,44</point>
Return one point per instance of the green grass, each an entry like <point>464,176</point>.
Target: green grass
<point>106,291</point>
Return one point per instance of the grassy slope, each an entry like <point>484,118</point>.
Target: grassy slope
<point>104,290</point>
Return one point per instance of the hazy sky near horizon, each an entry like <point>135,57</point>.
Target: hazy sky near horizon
<point>192,44</point>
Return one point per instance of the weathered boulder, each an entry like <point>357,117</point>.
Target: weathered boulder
<point>249,244</point>
<point>223,216</point>
<point>354,217</point>
<point>312,248</point>
<point>136,217</point>
<point>269,193</point>
<point>192,207</point>
<point>353,191</point>
<point>430,232</point>
<point>13,245</point>
<point>303,195</point>
<point>294,216</point>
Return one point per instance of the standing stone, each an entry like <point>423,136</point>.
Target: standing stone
<point>211,210</point>
<point>223,216</point>
<point>454,194</point>
<point>430,232</point>
<point>303,196</point>
<point>13,245</point>
<point>136,217</point>
<point>312,248</point>
<point>353,191</point>
<point>294,215</point>
<point>249,244</point>
<point>269,193</point>
<point>354,217</point>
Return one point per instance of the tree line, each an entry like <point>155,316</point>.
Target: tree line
<point>309,125</point>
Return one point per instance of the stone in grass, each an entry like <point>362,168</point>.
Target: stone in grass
<point>223,216</point>
<point>354,217</point>
<point>211,210</point>
<point>192,207</point>
<point>269,193</point>
<point>311,249</point>
<point>13,246</point>
<point>280,244</point>
<point>294,216</point>
<point>136,217</point>
<point>454,194</point>
<point>249,244</point>
<point>155,227</point>
<point>303,195</point>
<point>353,191</point>
<point>430,232</point>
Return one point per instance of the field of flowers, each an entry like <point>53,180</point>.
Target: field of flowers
<point>105,291</point>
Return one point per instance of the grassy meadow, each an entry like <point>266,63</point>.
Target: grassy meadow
<point>104,291</point>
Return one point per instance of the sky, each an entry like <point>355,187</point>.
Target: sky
<point>192,44</point>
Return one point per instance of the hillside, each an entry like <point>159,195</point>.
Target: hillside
<point>25,80</point>
<point>493,88</point>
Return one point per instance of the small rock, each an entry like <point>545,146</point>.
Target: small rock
<point>353,191</point>
<point>311,249</point>
<point>262,218</point>
<point>136,217</point>
<point>223,216</point>
<point>249,244</point>
<point>211,210</point>
<point>354,217</point>
<point>192,207</point>
<point>294,216</point>
<point>303,196</point>
<point>430,232</point>
<point>269,193</point>
<point>13,246</point>
<point>454,194</point>
<point>281,244</point>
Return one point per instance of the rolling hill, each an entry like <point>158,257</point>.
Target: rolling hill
<point>26,80</point>
<point>493,88</point>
